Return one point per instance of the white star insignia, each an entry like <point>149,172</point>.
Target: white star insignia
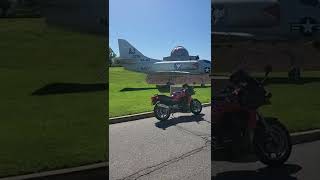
<point>207,70</point>
<point>308,27</point>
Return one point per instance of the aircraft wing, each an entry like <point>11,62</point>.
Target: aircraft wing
<point>232,36</point>
<point>240,36</point>
<point>170,73</point>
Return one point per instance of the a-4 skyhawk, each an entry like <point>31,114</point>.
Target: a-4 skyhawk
<point>179,68</point>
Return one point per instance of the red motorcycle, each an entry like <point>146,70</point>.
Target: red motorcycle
<point>240,128</point>
<point>179,101</point>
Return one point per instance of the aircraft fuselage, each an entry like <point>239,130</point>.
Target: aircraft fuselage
<point>151,66</point>
<point>267,19</point>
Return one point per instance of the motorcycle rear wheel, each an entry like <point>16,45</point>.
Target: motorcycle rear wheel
<point>161,113</point>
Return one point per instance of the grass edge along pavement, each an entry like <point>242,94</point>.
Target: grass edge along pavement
<point>71,170</point>
<point>139,116</point>
<point>296,138</point>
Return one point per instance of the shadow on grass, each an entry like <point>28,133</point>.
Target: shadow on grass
<point>177,120</point>
<point>64,88</point>
<point>136,89</point>
<point>282,173</point>
<point>283,80</point>
<point>162,89</point>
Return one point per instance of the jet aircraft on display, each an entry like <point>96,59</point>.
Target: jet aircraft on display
<point>293,23</point>
<point>180,68</point>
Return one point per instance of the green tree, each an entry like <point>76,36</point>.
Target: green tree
<point>111,56</point>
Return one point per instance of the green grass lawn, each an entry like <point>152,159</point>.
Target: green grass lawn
<point>130,102</point>
<point>296,105</point>
<point>57,130</point>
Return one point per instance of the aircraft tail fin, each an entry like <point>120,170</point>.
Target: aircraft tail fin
<point>128,51</point>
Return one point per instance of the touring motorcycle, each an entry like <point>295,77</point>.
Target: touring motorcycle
<point>179,101</point>
<point>239,130</point>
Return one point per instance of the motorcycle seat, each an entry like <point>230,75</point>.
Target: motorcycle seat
<point>165,99</point>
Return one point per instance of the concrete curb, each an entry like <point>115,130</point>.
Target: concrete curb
<point>135,117</point>
<point>58,172</point>
<point>306,136</point>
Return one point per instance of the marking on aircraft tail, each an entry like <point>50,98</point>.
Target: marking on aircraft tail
<point>145,60</point>
<point>132,51</point>
<point>273,11</point>
<point>218,14</point>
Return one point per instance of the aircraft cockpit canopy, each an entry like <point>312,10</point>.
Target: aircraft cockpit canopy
<point>180,53</point>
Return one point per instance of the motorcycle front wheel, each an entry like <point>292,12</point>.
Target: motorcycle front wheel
<point>195,106</point>
<point>273,148</point>
<point>161,112</point>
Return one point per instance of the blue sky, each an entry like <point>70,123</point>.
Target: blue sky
<point>155,27</point>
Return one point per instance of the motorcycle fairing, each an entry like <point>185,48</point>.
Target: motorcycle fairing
<point>221,109</point>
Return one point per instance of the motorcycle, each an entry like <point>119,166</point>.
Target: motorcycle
<point>179,101</point>
<point>237,131</point>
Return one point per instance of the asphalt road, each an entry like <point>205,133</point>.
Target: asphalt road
<point>179,148</point>
<point>304,164</point>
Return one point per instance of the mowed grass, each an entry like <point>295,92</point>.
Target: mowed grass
<point>137,100</point>
<point>296,105</point>
<point>48,132</point>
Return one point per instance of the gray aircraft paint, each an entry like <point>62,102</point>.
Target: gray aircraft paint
<point>133,60</point>
<point>236,15</point>
<point>270,22</point>
<point>265,19</point>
